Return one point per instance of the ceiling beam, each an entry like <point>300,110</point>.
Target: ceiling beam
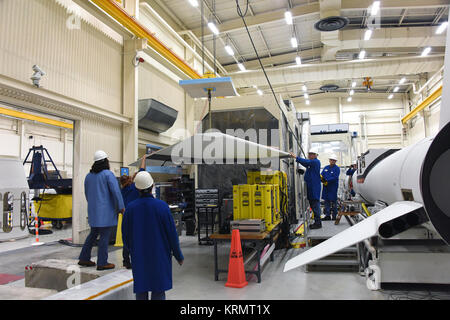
<point>278,59</point>
<point>261,19</point>
<point>302,11</point>
<point>334,71</point>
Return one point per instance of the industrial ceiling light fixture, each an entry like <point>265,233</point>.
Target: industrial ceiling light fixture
<point>352,92</point>
<point>426,51</point>
<point>307,102</point>
<point>375,7</point>
<point>241,67</point>
<point>349,99</point>
<point>259,91</point>
<point>288,17</point>
<point>304,88</point>
<point>353,84</point>
<point>362,54</point>
<point>367,34</point>
<point>390,96</point>
<point>442,27</point>
<point>396,89</point>
<point>294,42</point>
<point>402,80</point>
<point>194,3</point>
<point>306,96</point>
<point>229,50</point>
<point>298,60</point>
<point>213,28</point>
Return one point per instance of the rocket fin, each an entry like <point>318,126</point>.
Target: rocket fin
<point>362,230</point>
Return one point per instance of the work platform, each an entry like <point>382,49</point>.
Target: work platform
<point>344,260</point>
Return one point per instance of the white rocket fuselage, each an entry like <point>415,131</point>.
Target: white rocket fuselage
<point>419,173</point>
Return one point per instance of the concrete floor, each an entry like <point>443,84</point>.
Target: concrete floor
<point>195,279</point>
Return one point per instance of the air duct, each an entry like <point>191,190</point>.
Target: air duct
<point>155,116</point>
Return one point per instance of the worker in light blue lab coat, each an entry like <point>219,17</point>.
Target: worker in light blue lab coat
<point>312,179</point>
<point>129,194</point>
<point>330,182</point>
<point>104,203</point>
<point>149,233</point>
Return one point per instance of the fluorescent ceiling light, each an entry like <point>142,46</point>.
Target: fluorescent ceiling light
<point>288,17</point>
<point>402,80</point>
<point>213,28</point>
<point>352,92</point>
<point>229,50</point>
<point>256,87</point>
<point>241,66</point>
<point>307,102</point>
<point>442,27</point>
<point>362,54</point>
<point>426,51</point>
<point>294,42</point>
<point>349,99</point>
<point>306,96</point>
<point>390,96</point>
<point>367,34</point>
<point>375,8</point>
<point>194,3</point>
<point>396,89</point>
<point>353,84</point>
<point>304,88</point>
<point>259,92</point>
<point>298,60</point>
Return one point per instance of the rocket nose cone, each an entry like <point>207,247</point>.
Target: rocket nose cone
<point>435,180</point>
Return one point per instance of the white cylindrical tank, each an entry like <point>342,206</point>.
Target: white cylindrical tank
<point>419,173</point>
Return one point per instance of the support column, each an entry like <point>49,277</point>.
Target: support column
<point>79,205</point>
<point>130,101</point>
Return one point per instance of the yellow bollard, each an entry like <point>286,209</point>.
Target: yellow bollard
<point>119,242</point>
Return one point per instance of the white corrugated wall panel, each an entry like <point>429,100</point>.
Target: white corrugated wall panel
<point>35,32</point>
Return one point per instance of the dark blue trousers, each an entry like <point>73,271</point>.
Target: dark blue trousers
<point>102,255</point>
<point>330,206</point>
<point>155,296</point>
<point>315,206</point>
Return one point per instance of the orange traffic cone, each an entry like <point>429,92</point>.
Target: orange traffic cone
<point>236,272</point>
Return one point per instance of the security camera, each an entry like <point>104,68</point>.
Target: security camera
<point>37,75</point>
<point>138,60</point>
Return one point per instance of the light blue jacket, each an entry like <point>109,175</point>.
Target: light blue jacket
<point>103,197</point>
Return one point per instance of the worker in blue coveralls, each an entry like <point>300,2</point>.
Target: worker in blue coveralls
<point>129,194</point>
<point>330,179</point>
<point>312,179</point>
<point>149,233</point>
<point>350,173</point>
<point>104,203</point>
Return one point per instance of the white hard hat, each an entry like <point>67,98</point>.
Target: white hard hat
<point>143,180</point>
<point>313,150</point>
<point>333,157</point>
<point>100,155</point>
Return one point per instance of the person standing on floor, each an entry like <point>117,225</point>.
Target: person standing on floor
<point>104,202</point>
<point>129,194</point>
<point>149,233</point>
<point>330,176</point>
<point>312,179</point>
